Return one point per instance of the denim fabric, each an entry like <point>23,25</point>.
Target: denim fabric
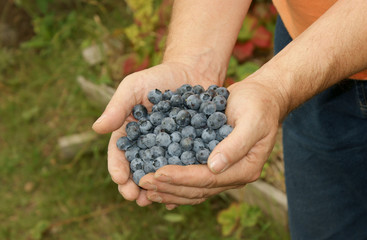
<point>325,154</point>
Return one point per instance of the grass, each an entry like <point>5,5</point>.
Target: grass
<point>45,197</point>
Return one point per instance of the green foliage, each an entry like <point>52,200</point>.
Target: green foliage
<point>246,69</point>
<point>142,33</point>
<point>235,219</point>
<point>51,31</point>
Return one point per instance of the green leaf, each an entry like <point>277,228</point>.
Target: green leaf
<point>42,5</point>
<point>246,69</point>
<point>229,218</point>
<point>250,216</point>
<point>174,217</point>
<point>232,66</point>
<point>247,28</point>
<point>37,231</point>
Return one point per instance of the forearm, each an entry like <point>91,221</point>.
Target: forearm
<point>332,49</point>
<point>202,33</point>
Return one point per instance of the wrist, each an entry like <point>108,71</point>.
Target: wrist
<point>203,60</point>
<point>273,84</point>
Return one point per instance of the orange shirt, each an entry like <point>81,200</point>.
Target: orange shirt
<point>298,15</point>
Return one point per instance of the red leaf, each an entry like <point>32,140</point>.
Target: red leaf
<point>228,82</point>
<point>160,34</point>
<point>129,64</point>
<point>144,64</point>
<point>243,51</point>
<point>273,10</point>
<point>262,38</point>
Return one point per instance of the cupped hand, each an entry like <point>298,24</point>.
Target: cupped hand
<point>131,91</point>
<point>254,112</point>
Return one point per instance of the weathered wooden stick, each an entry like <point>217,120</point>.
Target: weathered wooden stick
<point>71,145</point>
<point>98,95</point>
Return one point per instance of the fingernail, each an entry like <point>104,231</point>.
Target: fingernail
<point>155,198</point>
<point>163,178</point>
<point>218,163</point>
<point>99,120</point>
<point>149,186</point>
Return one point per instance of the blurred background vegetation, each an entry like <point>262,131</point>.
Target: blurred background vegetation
<point>44,46</point>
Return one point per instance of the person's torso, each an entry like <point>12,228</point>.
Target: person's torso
<point>298,15</point>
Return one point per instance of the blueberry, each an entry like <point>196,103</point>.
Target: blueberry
<point>176,101</point>
<point>164,106</point>
<point>145,126</point>
<point>158,129</point>
<point>155,96</point>
<point>225,130</point>
<point>132,153</point>
<point>157,151</point>
<point>132,131</point>
<point>193,102</point>
<point>137,175</point>
<point>185,96</point>
<point>174,111</point>
<point>140,112</point>
<point>198,120</point>
<point>159,162</point>
<point>188,158</point>
<point>188,131</point>
<point>192,112</point>
<point>220,102</point>
<point>167,95</point>
<point>136,164</point>
<point>183,118</point>
<point>187,144</point>
<point>208,135</point>
<point>148,167</point>
<point>199,131</point>
<point>197,89</point>
<point>216,120</point>
<point>211,92</point>
<point>208,108</point>
<point>155,108</point>
<point>174,149</point>
<point>213,87</point>
<point>168,124</point>
<point>222,91</point>
<point>163,139</point>
<point>174,160</point>
<point>184,88</point>
<point>202,156</point>
<point>211,145</point>
<point>218,136</point>
<point>156,118</point>
<point>198,145</point>
<point>204,97</point>
<point>176,137</point>
<point>140,143</point>
<point>123,143</point>
<point>149,140</point>
<point>146,155</point>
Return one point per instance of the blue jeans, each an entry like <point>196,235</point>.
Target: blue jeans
<point>325,155</point>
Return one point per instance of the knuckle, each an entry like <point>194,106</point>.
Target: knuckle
<point>254,176</point>
<point>211,181</point>
<point>198,201</point>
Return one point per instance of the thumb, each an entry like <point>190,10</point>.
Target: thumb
<point>232,148</point>
<point>127,95</point>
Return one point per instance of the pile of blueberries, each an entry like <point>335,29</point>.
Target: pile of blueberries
<point>183,128</point>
